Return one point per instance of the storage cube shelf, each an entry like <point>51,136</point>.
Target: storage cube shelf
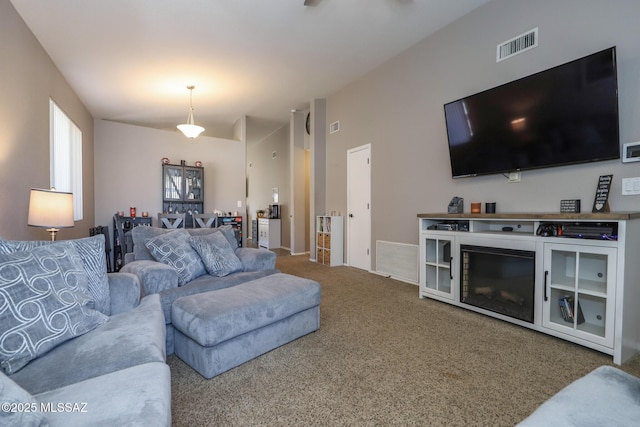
<point>329,240</point>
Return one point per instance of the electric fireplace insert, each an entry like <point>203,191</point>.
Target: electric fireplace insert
<point>499,280</point>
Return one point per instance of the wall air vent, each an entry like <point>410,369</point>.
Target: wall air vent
<point>517,45</point>
<point>334,127</point>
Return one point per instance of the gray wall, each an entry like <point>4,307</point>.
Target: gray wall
<point>264,172</point>
<point>299,182</point>
<point>28,78</point>
<point>398,108</point>
<point>128,169</point>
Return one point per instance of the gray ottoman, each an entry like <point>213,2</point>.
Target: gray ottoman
<point>219,330</point>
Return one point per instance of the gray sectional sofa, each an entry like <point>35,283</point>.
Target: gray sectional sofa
<point>164,279</point>
<point>78,346</point>
<point>82,347</point>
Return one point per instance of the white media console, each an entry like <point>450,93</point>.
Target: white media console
<point>582,286</point>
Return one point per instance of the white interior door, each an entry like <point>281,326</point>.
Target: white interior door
<point>359,207</point>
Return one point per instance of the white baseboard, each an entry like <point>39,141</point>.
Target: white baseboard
<point>395,278</point>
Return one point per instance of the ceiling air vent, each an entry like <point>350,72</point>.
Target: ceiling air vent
<point>517,45</point>
<point>334,127</point>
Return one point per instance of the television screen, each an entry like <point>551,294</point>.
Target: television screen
<point>564,115</point>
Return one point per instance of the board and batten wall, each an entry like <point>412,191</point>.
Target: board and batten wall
<point>398,108</point>
<point>28,78</point>
<point>128,169</point>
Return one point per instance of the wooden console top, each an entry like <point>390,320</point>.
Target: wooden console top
<point>611,216</point>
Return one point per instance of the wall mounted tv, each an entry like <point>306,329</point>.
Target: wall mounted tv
<point>565,115</point>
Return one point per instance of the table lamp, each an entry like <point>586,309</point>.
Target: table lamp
<point>50,209</point>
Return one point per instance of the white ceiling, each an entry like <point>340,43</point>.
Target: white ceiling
<point>131,60</point>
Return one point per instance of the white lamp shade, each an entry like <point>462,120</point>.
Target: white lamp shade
<point>50,208</point>
<point>191,131</point>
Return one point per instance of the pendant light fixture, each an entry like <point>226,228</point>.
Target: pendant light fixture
<point>190,129</point>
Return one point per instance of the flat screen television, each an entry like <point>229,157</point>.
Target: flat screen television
<point>564,115</point>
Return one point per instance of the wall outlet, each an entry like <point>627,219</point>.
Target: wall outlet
<point>630,186</point>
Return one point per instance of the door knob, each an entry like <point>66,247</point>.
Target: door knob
<point>350,215</point>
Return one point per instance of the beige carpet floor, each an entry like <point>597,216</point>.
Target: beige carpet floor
<point>385,357</point>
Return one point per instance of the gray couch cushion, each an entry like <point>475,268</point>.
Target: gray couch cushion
<point>135,396</point>
<point>207,283</point>
<point>125,292</point>
<point>42,303</point>
<point>216,254</point>
<point>127,339</point>
<point>607,396</point>
<point>154,276</point>
<point>20,410</point>
<point>174,250</point>
<point>256,259</point>
<point>92,251</point>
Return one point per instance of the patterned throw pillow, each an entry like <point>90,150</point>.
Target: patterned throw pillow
<point>229,233</point>
<point>217,254</point>
<point>41,303</point>
<point>174,250</point>
<point>94,262</point>
<point>140,236</point>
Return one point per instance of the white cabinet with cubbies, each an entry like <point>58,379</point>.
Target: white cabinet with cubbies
<point>329,240</point>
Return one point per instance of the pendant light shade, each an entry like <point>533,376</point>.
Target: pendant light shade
<point>190,129</point>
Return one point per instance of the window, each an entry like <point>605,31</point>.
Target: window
<point>66,156</point>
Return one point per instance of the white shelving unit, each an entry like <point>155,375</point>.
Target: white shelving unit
<point>586,290</point>
<point>329,240</point>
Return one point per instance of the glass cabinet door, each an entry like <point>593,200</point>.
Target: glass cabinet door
<point>172,185</point>
<point>579,289</point>
<point>437,269</point>
<point>193,184</point>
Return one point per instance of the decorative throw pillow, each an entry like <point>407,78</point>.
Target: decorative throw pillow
<point>140,236</point>
<point>94,262</point>
<point>228,232</point>
<point>217,254</point>
<point>41,303</point>
<point>19,408</point>
<point>174,250</point>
